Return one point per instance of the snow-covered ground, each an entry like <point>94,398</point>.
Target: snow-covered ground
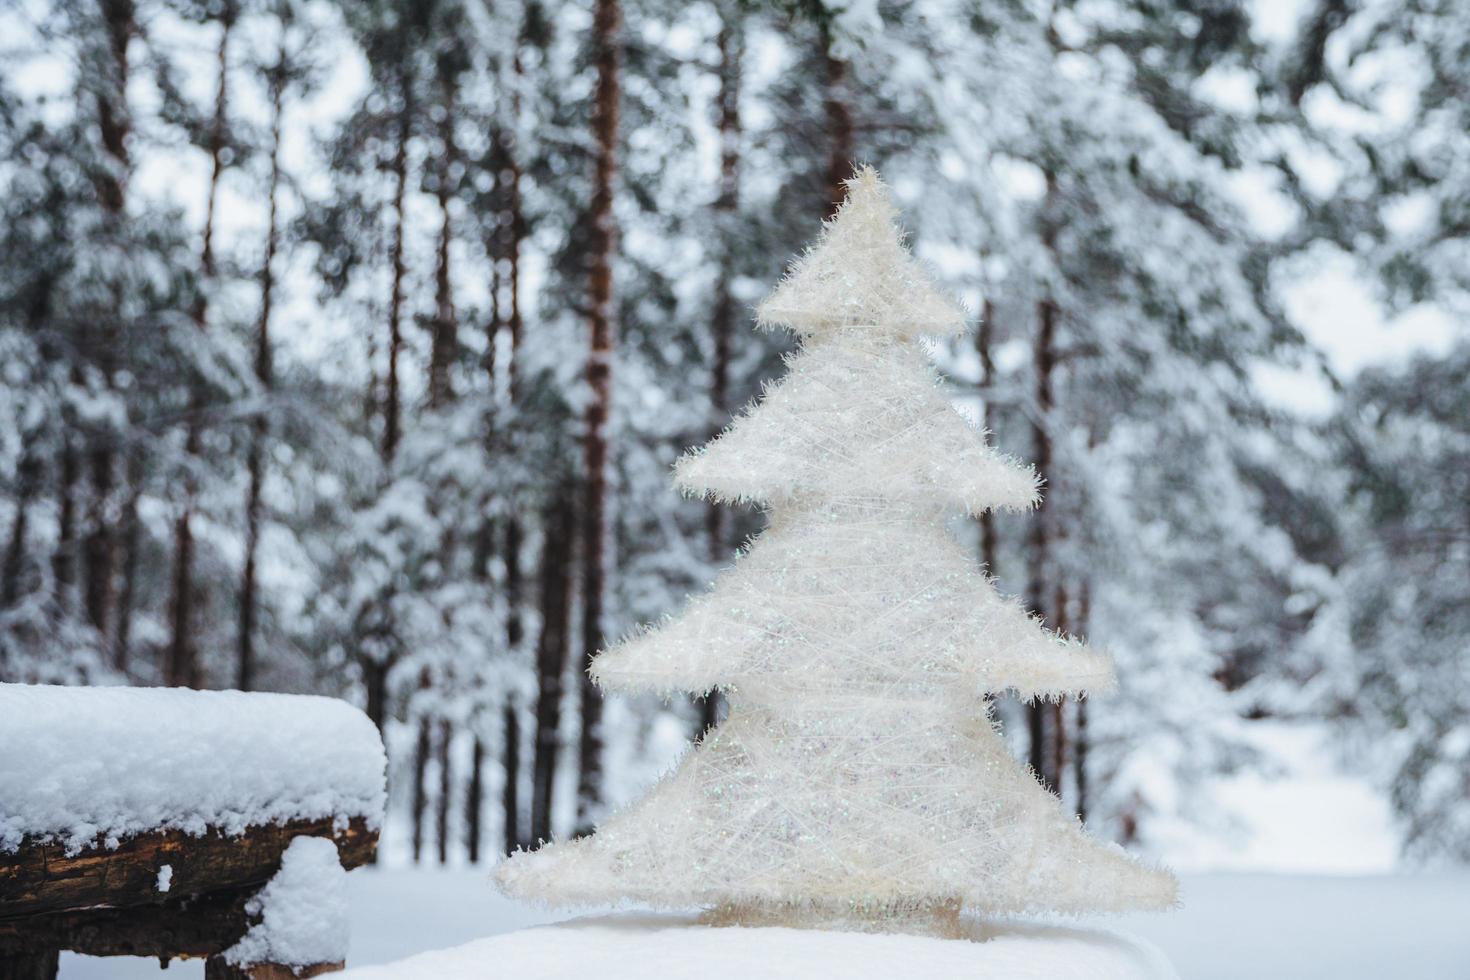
<point>1297,812</point>
<point>1232,926</point>
<point>1334,917</point>
<point>633,946</point>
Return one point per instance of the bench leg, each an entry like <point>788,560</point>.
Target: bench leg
<point>30,966</point>
<point>215,968</point>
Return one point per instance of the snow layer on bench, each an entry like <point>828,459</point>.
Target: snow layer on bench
<point>635,947</point>
<point>79,764</point>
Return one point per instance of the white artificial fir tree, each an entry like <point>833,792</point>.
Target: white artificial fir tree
<point>858,781</point>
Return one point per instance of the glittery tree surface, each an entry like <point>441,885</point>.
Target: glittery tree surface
<point>857,781</point>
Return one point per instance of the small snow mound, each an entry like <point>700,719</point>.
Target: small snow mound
<point>637,946</point>
<point>83,764</point>
<point>302,911</point>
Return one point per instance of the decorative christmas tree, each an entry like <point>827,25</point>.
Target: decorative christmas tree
<point>858,781</point>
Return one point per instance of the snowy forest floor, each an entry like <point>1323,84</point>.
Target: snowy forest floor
<point>1232,926</point>
<point>1308,894</point>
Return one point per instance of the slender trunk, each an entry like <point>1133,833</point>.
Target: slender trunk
<point>182,666</point>
<point>420,797</point>
<point>514,226</point>
<point>606,28</point>
<point>984,340</point>
<point>1079,740</point>
<point>472,803</point>
<point>375,679</point>
<point>114,124</point>
<point>1058,720</point>
<point>444,340</point>
<point>514,635</point>
<point>255,461</point>
<point>15,552</point>
<point>376,670</point>
<point>841,149</point>
<point>510,794</point>
<point>182,669</point>
<point>1043,362</point>
<point>517,233</point>
<point>391,420</point>
<point>64,562</point>
<point>132,543</point>
<point>14,567</point>
<point>446,782</point>
<point>1038,560</point>
<point>722,320</point>
<point>551,656</point>
<point>100,546</point>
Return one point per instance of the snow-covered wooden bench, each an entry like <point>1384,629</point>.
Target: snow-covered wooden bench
<point>172,823</point>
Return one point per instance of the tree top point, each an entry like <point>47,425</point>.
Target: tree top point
<point>860,274</point>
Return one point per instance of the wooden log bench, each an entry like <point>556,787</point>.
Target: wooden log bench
<point>106,901</point>
<point>176,891</point>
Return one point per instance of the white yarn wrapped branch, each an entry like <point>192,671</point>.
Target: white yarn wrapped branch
<point>857,781</point>
<point>861,415</point>
<point>855,594</point>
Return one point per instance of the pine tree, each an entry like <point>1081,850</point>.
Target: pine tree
<point>857,779</point>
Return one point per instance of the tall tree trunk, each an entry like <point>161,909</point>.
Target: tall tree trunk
<point>421,751</point>
<point>606,28</point>
<point>375,680</point>
<point>472,809</point>
<point>558,520</point>
<point>510,792</point>
<point>1080,743</point>
<point>446,783</point>
<point>445,329</point>
<point>260,426</point>
<point>841,146</point>
<point>984,341</point>
<point>1058,719</point>
<point>14,565</point>
<point>442,350</point>
<point>182,667</point>
<point>511,734</point>
<point>1038,559</point>
<point>517,229</point>
<point>514,227</point>
<point>376,671</point>
<point>114,123</point>
<point>473,799</point>
<point>1043,362</point>
<point>131,545</point>
<point>391,412</point>
<point>64,560</point>
<point>722,320</point>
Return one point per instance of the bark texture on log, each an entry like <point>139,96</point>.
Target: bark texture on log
<point>44,878</point>
<point>30,965</point>
<point>186,927</point>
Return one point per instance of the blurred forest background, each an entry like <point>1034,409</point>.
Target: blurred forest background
<point>345,348</point>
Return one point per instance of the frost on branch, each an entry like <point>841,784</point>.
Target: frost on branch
<point>858,781</point>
